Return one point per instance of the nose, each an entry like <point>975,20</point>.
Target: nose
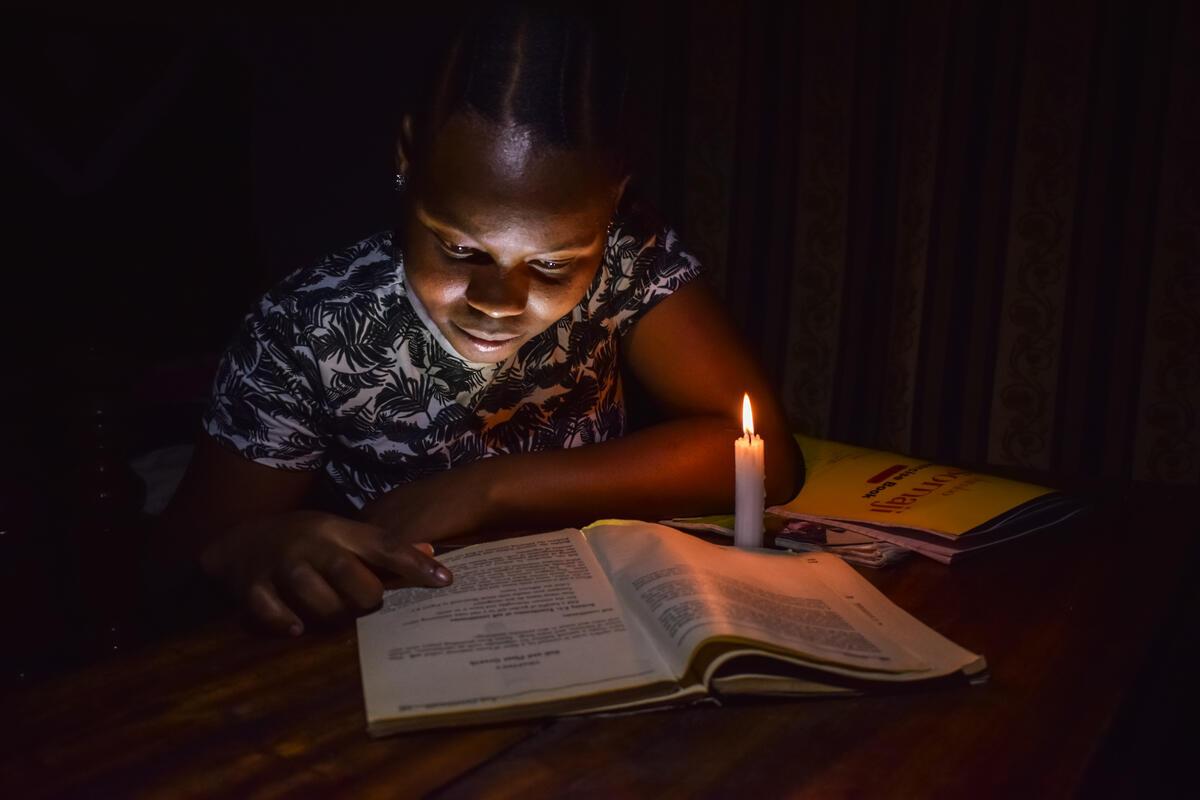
<point>498,291</point>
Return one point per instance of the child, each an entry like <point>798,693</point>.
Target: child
<point>462,373</point>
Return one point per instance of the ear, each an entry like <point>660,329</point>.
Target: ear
<point>404,145</point>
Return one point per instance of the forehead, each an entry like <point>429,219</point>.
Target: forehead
<point>480,172</point>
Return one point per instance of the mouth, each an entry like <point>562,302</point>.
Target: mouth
<point>486,342</point>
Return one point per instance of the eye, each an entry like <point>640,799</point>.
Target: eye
<point>552,266</point>
<point>456,250</point>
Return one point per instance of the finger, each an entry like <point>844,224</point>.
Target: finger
<point>356,584</point>
<point>266,607</point>
<point>311,590</point>
<point>425,547</point>
<point>409,563</point>
<point>381,549</point>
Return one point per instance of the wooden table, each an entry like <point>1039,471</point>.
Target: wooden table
<point>1066,620</point>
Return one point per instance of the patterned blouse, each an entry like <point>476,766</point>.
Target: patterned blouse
<point>340,367</point>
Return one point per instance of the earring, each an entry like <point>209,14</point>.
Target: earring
<point>401,182</point>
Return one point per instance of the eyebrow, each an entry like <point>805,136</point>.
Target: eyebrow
<point>430,221</point>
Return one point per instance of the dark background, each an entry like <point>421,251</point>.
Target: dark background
<point>964,230</point>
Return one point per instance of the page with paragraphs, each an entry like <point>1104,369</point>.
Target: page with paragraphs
<point>526,620</point>
<point>688,591</point>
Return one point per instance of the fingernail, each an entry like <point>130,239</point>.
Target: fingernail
<point>296,629</point>
<point>441,575</point>
<point>425,548</point>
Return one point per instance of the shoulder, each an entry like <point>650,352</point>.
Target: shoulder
<point>644,262</point>
<point>642,243</point>
<point>363,273</point>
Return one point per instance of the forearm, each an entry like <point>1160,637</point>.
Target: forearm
<point>221,490</point>
<point>683,467</point>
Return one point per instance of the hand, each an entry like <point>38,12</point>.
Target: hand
<point>314,564</point>
<point>446,504</point>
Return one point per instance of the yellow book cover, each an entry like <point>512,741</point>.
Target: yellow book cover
<point>888,489</point>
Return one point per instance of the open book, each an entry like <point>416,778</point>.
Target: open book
<point>629,615</point>
<point>939,511</point>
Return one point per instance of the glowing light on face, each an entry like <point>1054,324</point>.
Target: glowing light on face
<point>504,235</point>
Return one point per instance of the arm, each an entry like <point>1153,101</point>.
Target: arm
<point>244,523</point>
<point>680,467</point>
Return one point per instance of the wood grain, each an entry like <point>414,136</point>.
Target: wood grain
<point>1065,619</point>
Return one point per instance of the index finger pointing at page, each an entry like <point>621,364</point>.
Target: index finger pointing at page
<point>379,548</point>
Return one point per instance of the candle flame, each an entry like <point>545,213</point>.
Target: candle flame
<point>747,416</point>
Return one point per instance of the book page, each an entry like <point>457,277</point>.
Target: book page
<point>943,655</point>
<point>526,620</point>
<point>688,591</point>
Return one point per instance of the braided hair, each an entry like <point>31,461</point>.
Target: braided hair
<point>557,71</point>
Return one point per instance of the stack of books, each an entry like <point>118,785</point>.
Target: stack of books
<point>871,506</point>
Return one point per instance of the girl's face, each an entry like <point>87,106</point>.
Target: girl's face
<point>504,234</point>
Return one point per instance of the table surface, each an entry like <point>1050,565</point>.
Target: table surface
<point>1065,618</point>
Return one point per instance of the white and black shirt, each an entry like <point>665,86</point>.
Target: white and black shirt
<point>340,367</point>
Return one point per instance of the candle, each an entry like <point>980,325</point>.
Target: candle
<point>749,476</point>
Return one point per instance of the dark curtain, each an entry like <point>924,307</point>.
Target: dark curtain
<point>967,230</point>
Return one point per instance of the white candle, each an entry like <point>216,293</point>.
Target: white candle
<point>750,475</point>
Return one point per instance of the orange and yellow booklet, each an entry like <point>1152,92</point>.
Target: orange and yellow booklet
<point>939,511</point>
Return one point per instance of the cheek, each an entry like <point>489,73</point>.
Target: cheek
<point>438,289</point>
<point>551,302</point>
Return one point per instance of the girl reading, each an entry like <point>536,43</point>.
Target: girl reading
<point>462,372</point>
